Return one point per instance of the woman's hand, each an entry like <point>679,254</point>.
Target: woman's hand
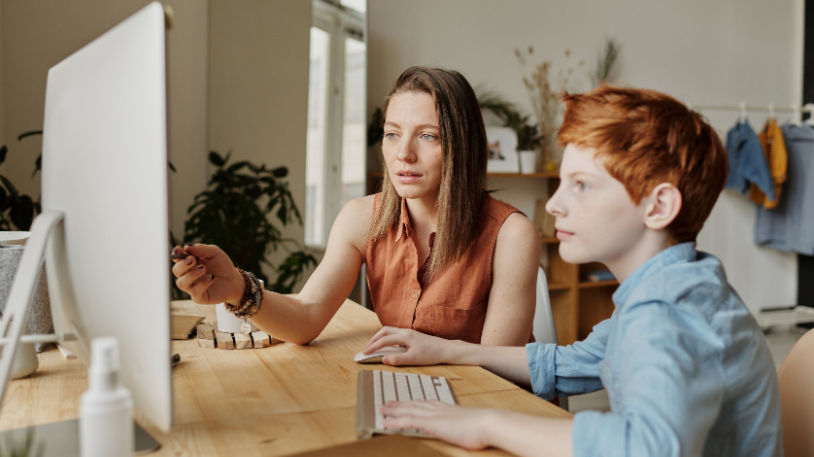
<point>422,349</point>
<point>207,275</point>
<point>464,427</point>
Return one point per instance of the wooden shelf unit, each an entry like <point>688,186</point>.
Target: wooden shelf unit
<point>577,304</point>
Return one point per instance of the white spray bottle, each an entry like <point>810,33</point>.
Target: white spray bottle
<point>106,408</point>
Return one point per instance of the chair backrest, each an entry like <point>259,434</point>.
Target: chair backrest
<point>796,379</point>
<point>543,328</point>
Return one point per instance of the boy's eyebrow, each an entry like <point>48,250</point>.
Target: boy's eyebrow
<point>577,173</point>
<point>418,126</point>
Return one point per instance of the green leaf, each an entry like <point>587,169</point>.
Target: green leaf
<point>22,213</point>
<point>3,152</point>
<point>37,165</point>
<point>27,134</point>
<point>4,200</point>
<point>10,187</point>
<point>216,159</point>
<point>280,172</point>
<point>172,167</point>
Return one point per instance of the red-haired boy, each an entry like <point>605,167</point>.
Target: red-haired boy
<point>686,367</point>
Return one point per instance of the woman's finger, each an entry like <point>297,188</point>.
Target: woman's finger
<point>198,290</point>
<point>186,281</point>
<point>383,332</point>
<point>389,340</point>
<point>181,267</point>
<point>177,250</point>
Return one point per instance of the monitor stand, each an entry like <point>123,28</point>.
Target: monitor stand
<point>61,439</point>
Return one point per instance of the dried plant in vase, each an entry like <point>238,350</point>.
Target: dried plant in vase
<point>544,95</point>
<point>608,65</point>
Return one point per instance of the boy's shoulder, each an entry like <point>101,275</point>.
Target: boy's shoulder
<point>696,287</point>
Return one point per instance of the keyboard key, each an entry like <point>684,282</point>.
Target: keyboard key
<point>429,387</point>
<point>444,392</point>
<point>402,387</point>
<point>416,392</point>
<point>389,385</point>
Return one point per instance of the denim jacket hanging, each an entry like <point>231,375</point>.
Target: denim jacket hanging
<point>747,164</point>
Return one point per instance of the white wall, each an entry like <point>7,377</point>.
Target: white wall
<point>706,52</point>
<point>258,87</point>
<point>37,35</point>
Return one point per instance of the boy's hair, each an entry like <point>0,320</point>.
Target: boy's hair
<point>647,138</point>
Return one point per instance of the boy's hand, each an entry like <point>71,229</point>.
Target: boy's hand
<point>464,427</point>
<point>422,349</point>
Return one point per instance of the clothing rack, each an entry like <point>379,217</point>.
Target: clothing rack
<point>796,110</point>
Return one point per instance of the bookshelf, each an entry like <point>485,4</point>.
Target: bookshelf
<point>577,304</point>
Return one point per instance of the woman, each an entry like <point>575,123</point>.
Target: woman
<point>443,257</point>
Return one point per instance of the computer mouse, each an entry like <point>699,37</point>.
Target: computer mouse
<point>376,357</point>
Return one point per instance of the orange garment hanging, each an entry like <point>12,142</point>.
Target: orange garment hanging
<point>774,149</point>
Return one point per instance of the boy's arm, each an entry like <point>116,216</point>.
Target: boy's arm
<point>547,368</point>
<point>667,372</point>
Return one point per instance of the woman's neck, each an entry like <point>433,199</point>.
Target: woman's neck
<point>423,214</point>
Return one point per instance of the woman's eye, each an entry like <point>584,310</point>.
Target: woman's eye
<point>390,136</point>
<point>427,137</point>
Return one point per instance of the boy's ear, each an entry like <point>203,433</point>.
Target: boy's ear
<point>665,203</point>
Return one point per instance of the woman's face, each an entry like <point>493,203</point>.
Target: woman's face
<point>412,145</point>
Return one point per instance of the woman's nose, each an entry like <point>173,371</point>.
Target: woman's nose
<point>406,152</point>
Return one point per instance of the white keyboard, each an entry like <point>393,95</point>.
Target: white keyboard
<point>376,388</point>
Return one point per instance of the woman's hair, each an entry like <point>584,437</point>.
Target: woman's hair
<point>463,173</point>
<point>647,138</point>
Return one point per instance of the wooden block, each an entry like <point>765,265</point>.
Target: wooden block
<point>224,340</point>
<point>276,341</point>
<point>206,331</point>
<point>261,339</point>
<point>242,340</point>
<point>205,343</point>
<point>182,324</point>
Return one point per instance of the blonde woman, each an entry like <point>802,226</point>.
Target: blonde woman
<point>443,257</point>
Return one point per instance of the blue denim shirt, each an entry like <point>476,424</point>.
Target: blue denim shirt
<point>747,163</point>
<point>686,367</point>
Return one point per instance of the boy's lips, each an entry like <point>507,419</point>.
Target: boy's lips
<point>563,235</point>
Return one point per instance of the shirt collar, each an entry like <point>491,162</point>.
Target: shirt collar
<point>404,221</point>
<point>684,252</point>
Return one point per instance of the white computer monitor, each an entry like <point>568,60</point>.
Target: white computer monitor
<point>104,226</point>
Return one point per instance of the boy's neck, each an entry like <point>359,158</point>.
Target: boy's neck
<point>652,243</point>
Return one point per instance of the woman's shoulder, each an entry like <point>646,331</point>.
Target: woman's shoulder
<point>361,208</point>
<point>495,208</point>
<point>353,222</point>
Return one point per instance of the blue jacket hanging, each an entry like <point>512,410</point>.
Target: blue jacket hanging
<point>747,164</point>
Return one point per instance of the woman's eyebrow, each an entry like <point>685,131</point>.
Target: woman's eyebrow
<point>422,126</point>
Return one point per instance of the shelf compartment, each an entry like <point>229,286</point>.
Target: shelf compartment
<point>558,286</point>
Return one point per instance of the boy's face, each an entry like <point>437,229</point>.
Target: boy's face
<point>596,220</point>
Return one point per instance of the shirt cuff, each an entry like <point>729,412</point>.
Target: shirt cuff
<point>541,368</point>
<point>598,434</point>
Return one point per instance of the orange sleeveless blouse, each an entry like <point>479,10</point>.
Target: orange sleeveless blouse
<point>453,304</point>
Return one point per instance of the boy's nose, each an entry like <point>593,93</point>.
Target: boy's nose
<point>554,207</point>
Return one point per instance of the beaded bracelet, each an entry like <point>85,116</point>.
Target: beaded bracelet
<point>250,303</point>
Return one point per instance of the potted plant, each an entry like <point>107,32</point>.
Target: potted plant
<point>528,134</point>
<point>235,213</point>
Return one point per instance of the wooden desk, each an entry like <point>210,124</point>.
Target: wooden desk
<point>261,402</point>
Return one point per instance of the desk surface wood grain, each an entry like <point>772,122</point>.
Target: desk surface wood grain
<point>272,401</point>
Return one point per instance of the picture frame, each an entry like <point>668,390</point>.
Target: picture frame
<point>502,150</point>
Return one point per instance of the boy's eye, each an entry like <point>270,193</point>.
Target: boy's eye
<point>581,186</point>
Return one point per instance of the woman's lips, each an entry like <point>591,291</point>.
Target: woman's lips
<point>564,235</point>
<point>407,177</point>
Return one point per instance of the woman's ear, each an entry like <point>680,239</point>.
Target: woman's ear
<point>665,204</point>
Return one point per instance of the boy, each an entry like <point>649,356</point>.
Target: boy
<point>685,365</point>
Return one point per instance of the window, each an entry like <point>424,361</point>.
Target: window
<point>335,146</point>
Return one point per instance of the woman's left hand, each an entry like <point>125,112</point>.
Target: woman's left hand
<point>458,425</point>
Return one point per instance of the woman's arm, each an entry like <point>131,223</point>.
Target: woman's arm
<point>512,300</point>
<point>297,319</point>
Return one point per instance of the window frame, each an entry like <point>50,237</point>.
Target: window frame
<point>340,23</point>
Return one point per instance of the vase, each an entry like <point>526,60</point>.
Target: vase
<point>527,161</point>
